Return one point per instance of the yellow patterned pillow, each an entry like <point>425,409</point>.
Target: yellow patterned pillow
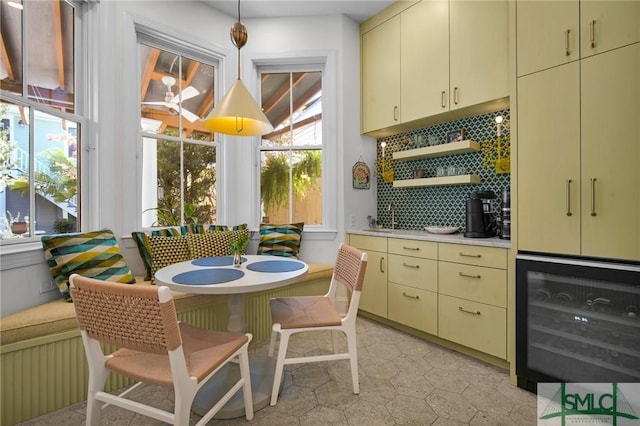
<point>212,243</point>
<point>280,240</point>
<point>166,251</point>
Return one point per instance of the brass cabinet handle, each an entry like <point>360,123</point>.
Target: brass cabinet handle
<point>592,33</point>
<point>470,255</point>
<point>411,248</point>
<point>395,113</point>
<point>443,99</point>
<point>381,268</point>
<point>411,266</point>
<point>462,274</point>
<point>569,197</point>
<point>461,309</point>
<point>455,95</point>
<point>567,47</point>
<point>410,297</point>
<point>593,197</point>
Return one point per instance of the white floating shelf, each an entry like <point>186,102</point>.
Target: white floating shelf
<point>442,150</point>
<point>437,181</point>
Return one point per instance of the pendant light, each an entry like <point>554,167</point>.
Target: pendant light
<point>237,113</point>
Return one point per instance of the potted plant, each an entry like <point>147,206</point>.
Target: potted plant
<point>18,227</point>
<point>238,247</point>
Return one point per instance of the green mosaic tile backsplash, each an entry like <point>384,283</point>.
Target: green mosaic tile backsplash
<point>418,207</point>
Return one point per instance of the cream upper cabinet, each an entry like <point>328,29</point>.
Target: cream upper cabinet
<point>578,157</point>
<point>424,72</point>
<point>478,52</point>
<point>611,153</point>
<point>381,76</point>
<point>549,160</point>
<point>551,33</point>
<point>606,25</point>
<point>547,34</point>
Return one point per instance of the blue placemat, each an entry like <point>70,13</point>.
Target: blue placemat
<point>208,276</point>
<point>275,266</point>
<point>215,261</point>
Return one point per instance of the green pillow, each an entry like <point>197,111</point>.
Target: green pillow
<point>280,240</point>
<point>91,254</point>
<point>166,251</point>
<point>219,228</point>
<point>212,243</point>
<point>142,242</point>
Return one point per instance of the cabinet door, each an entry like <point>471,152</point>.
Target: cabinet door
<point>549,160</point>
<point>547,34</point>
<point>479,52</point>
<point>374,290</point>
<point>424,37</point>
<point>607,25</point>
<point>611,154</point>
<point>381,76</point>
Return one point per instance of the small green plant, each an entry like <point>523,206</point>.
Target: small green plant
<point>240,244</point>
<point>63,226</point>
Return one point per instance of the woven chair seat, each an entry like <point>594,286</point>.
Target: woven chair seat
<point>304,311</point>
<point>204,351</point>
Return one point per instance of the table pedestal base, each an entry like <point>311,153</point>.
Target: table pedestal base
<point>262,369</point>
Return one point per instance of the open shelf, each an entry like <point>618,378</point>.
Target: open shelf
<point>437,181</point>
<point>452,148</point>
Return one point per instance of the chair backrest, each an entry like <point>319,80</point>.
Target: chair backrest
<point>141,318</point>
<point>350,267</point>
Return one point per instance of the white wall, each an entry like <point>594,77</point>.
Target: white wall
<point>113,141</point>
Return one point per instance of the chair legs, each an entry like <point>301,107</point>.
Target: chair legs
<point>282,353</point>
<point>353,359</point>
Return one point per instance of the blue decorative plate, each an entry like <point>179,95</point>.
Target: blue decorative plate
<point>275,266</point>
<point>208,276</point>
<point>215,261</point>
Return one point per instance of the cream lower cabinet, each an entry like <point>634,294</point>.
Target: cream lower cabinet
<point>413,284</point>
<point>457,292</point>
<point>472,297</point>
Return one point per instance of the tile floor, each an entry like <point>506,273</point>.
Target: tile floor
<point>403,381</point>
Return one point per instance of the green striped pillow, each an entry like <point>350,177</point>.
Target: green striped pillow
<point>91,254</point>
<point>280,240</point>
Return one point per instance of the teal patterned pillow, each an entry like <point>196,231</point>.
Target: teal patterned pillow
<point>222,228</point>
<point>91,254</point>
<point>280,240</point>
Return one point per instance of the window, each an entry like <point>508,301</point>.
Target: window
<point>41,116</point>
<point>291,157</point>
<point>179,153</point>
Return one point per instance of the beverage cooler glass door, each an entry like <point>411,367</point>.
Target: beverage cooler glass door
<point>577,320</point>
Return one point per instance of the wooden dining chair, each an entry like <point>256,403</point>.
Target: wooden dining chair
<point>153,347</point>
<point>290,315</point>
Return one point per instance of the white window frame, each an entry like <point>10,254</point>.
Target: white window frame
<point>324,61</point>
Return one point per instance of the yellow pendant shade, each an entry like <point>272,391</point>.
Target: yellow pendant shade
<point>238,114</point>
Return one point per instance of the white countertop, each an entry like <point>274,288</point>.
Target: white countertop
<point>439,238</point>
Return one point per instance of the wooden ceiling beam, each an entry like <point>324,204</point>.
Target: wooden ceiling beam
<point>282,92</point>
<point>57,23</point>
<point>298,103</point>
<point>172,120</point>
<point>5,59</point>
<point>296,125</point>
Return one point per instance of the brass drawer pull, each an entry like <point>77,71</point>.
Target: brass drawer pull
<point>443,99</point>
<point>592,33</point>
<point>381,267</point>
<point>470,255</point>
<point>593,197</point>
<point>411,248</point>
<point>395,113</point>
<point>462,274</point>
<point>410,297</point>
<point>569,197</point>
<point>410,266</point>
<point>461,309</point>
<point>567,48</point>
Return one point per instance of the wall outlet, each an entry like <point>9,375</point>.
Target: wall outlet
<point>354,221</point>
<point>47,286</point>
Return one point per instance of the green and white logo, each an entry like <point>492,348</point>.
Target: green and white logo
<point>589,404</point>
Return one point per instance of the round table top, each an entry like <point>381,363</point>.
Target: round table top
<point>217,275</point>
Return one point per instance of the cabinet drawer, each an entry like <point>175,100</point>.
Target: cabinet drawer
<point>415,248</point>
<point>492,257</point>
<point>484,285</point>
<point>413,307</point>
<point>475,325</point>
<point>413,272</point>
<point>364,242</point>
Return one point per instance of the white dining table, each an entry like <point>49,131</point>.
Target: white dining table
<point>218,275</point>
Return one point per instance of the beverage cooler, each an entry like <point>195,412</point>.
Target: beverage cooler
<point>577,320</point>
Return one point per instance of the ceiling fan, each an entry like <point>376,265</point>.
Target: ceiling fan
<point>171,101</point>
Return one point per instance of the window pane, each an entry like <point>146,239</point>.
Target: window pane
<point>50,60</point>
<point>11,27</point>
<point>307,185</point>
<point>162,206</point>
<point>307,116</point>
<point>275,186</point>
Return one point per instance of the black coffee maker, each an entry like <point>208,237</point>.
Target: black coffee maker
<point>480,220</point>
